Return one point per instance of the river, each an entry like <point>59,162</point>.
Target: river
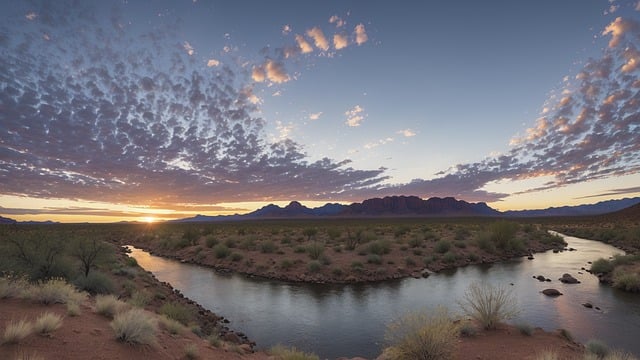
<point>350,320</point>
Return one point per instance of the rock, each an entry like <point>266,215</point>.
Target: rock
<point>232,338</point>
<point>555,251</point>
<point>597,308</point>
<point>548,280</point>
<point>530,257</point>
<point>540,278</point>
<point>568,279</point>
<point>587,305</point>
<point>572,249</point>
<point>426,273</point>
<point>551,292</point>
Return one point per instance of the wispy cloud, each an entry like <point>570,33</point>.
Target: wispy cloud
<point>188,48</point>
<point>31,16</point>
<point>355,116</point>
<point>340,41</point>
<point>337,20</point>
<point>303,44</point>
<point>213,63</point>
<point>407,133</point>
<point>614,192</point>
<point>286,29</point>
<point>315,116</point>
<point>374,144</point>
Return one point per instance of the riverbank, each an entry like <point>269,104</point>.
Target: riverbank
<point>334,252</point>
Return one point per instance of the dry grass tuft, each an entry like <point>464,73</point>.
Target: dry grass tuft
<point>135,326</point>
<point>109,305</point>
<point>15,332</point>
<point>47,323</point>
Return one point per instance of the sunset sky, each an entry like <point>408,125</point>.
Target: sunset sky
<point>126,110</point>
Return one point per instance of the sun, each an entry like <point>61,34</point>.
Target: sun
<point>149,219</point>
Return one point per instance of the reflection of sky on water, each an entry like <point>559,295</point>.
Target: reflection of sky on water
<point>349,320</point>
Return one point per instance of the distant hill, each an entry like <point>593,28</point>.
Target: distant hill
<point>602,207</point>
<point>630,213</point>
<point>4,220</point>
<point>413,205</point>
<point>9,221</point>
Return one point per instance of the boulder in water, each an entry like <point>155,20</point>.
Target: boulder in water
<point>551,292</point>
<point>568,279</point>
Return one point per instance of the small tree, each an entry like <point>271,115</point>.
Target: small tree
<point>309,233</point>
<point>88,252</point>
<point>489,305</point>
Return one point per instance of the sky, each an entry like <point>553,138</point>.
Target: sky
<point>137,110</point>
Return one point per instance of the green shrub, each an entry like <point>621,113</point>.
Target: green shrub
<point>140,298</point>
<point>415,242</point>
<point>47,323</point>
<point>483,240</point>
<point>280,352</point>
<point>131,261</point>
<point>525,329</point>
<point>503,235</point>
<point>450,257</point>
<point>13,287</point>
<point>467,329</point>
<point>210,241</point>
<point>336,272</point>
<point>442,246</point>
<point>286,264</point>
<point>135,327</point>
<point>95,283</point>
<point>374,259</point>
<point>173,327</point>
<point>597,348</point>
<point>221,251</point>
<point>315,250</point>
<point>601,266</point>
<point>235,257</point>
<point>566,334</point>
<point>14,332</point>
<point>268,247</point>
<point>488,305</point>
<point>214,340</point>
<point>314,266</point>
<point>357,265</point>
<point>334,233</point>
<point>177,312</point>
<point>230,243</point>
<point>423,336</point>
<point>109,305</point>
<point>410,262</point>
<point>191,351</point>
<point>379,247</point>
<point>626,281</point>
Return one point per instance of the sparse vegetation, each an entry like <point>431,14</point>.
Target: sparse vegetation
<point>16,331</point>
<point>135,327</point>
<point>423,336</point>
<point>177,312</point>
<point>47,323</point>
<point>488,305</point>
<point>191,351</point>
<point>524,328</point>
<point>280,352</point>
<point>598,348</point>
<point>109,305</point>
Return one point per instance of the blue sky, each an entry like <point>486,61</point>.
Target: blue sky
<point>127,109</point>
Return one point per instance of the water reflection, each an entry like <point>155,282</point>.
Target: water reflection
<point>350,320</point>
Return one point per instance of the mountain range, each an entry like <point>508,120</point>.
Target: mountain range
<point>407,206</point>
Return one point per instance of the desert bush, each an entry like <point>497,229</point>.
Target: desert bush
<point>210,241</point>
<point>357,265</point>
<point>235,257</point>
<point>268,247</point>
<point>415,242</point>
<point>334,233</point>
<point>131,261</point>
<point>135,327</point>
<point>309,233</point>
<point>286,264</point>
<point>598,348</point>
<point>177,312</point>
<point>467,329</point>
<point>140,298</point>
<point>566,334</point>
<point>230,243</point>
<point>13,287</point>
<point>483,240</point>
<point>280,352</point>
<point>423,336</point>
<point>314,266</point>
<point>442,246</point>
<point>173,327</point>
<point>409,262</point>
<point>109,305</point>
<point>627,281</point>
<point>624,259</point>
<point>191,351</point>
<point>374,259</point>
<point>95,283</point>
<point>449,257</point>
<point>54,291</point>
<point>524,328</point>
<point>315,250</point>
<point>601,266</point>
<point>379,247</point>
<point>546,355</point>
<point>488,305</point>
<point>214,340</point>
<point>16,331</point>
<point>21,355</point>
<point>503,235</point>
<point>221,251</point>
<point>47,323</point>
<point>336,272</point>
<point>73,309</point>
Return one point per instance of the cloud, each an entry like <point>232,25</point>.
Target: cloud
<point>319,39</point>
<point>355,116</point>
<point>303,44</point>
<point>188,48</point>
<point>361,34</point>
<point>340,41</point>
<point>143,123</point>
<point>614,192</point>
<point>286,29</point>
<point>374,144</point>
<point>618,28</point>
<point>213,63</point>
<point>638,6</point>
<point>315,116</point>
<point>31,16</point>
<point>407,133</point>
<point>335,19</point>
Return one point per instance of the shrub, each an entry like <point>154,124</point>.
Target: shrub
<point>488,305</point>
<point>357,265</point>
<point>546,355</point>
<point>131,261</point>
<point>314,266</point>
<point>214,340</point>
<point>268,247</point>
<point>484,242</point>
<point>315,250</point>
<point>286,264</point>
<point>450,257</point>
<point>172,326</point>
<point>415,242</point>
<point>210,241</point>
<point>95,283</point>
<point>140,298</point>
<point>109,305</point>
<point>14,332</point>
<point>21,355</point>
<point>191,351</point>
<point>134,327</point>
<point>423,336</point>
<point>597,348</point>
<point>47,323</point>
<point>221,251</point>
<point>55,291</point>
<point>13,287</point>
<point>379,247</point>
<point>409,262</point>
<point>73,309</point>
<point>235,257</point>
<point>601,266</point>
<point>177,312</point>
<point>503,235</point>
<point>336,272</point>
<point>442,246</point>
<point>374,259</point>
<point>334,233</point>
<point>626,281</point>
<point>525,329</point>
<point>280,352</point>
<point>467,329</point>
